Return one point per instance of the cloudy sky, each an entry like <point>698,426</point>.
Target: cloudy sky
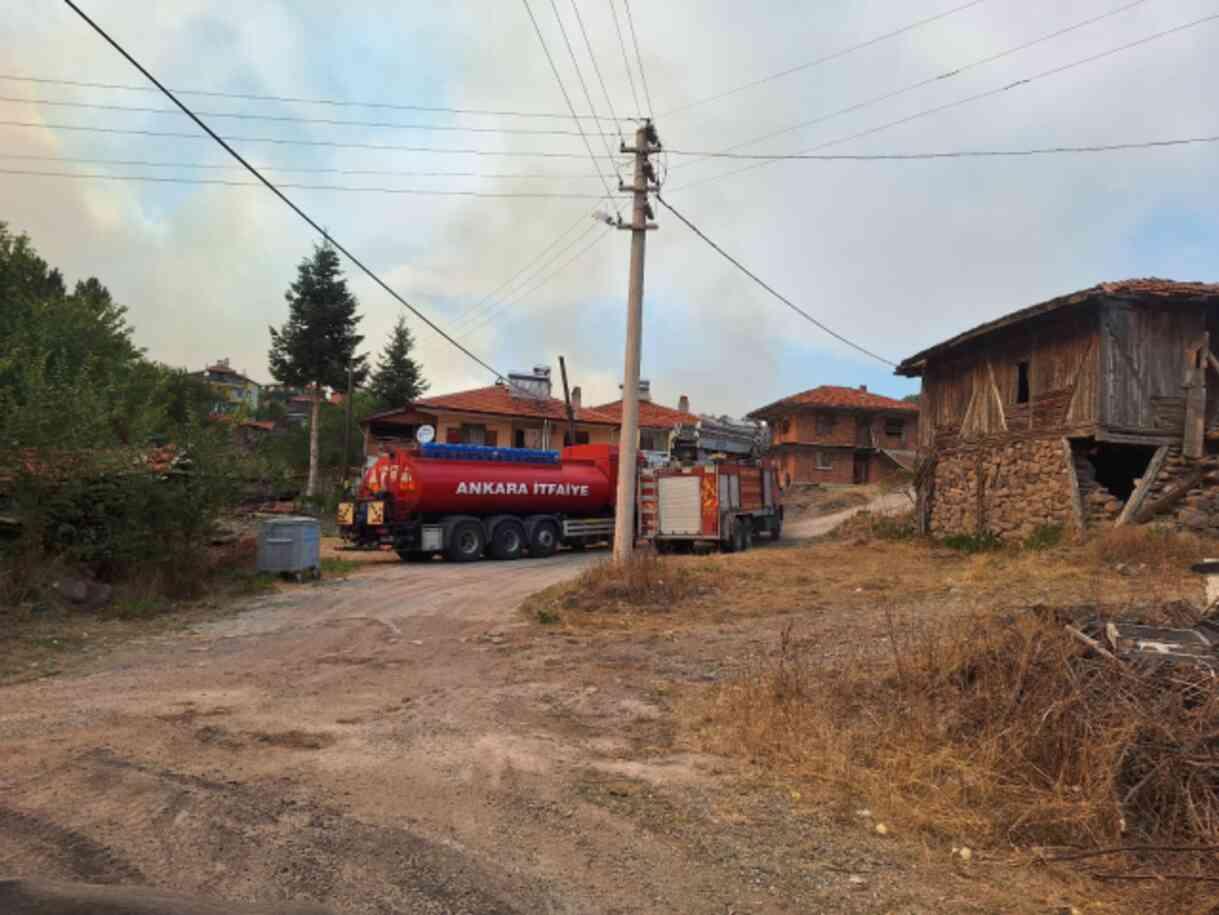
<point>895,255</point>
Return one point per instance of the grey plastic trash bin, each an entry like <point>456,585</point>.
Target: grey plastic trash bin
<point>291,545</point>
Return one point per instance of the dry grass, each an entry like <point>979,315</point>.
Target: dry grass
<point>645,583</point>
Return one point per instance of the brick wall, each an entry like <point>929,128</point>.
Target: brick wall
<point>800,466</point>
<point>801,426</point>
<point>1015,487</point>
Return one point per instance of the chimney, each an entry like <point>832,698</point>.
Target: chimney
<point>683,403</point>
<point>575,398</point>
<point>645,390</point>
<point>864,388</point>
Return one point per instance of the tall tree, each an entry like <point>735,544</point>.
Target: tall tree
<point>398,378</point>
<point>316,347</point>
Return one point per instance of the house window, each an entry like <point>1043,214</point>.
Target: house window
<point>824,461</point>
<point>1022,382</point>
<point>473,434</point>
<point>653,440</point>
<point>518,438</point>
<point>895,427</point>
<point>825,423</point>
<point>581,437</point>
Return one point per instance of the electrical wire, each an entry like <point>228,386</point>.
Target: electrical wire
<point>940,77</point>
<point>284,197</point>
<point>251,97</point>
<point>782,298</point>
<point>545,280</point>
<point>295,119</point>
<point>953,154</point>
<point>609,104</point>
<point>145,163</point>
<point>609,150</point>
<point>643,77</point>
<point>567,98</point>
<point>927,112</point>
<point>480,305</point>
<point>222,182</point>
<point>626,61</point>
<point>817,62</point>
<point>279,141</point>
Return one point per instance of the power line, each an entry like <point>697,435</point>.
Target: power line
<point>643,77</point>
<point>817,62</point>
<point>279,141</point>
<point>295,119</point>
<point>626,61</point>
<point>953,154</point>
<point>588,98</point>
<point>283,197</point>
<point>757,279</point>
<point>919,84</point>
<point>479,306</point>
<point>563,89</point>
<point>597,69</point>
<point>251,97</point>
<point>222,182</point>
<point>1053,71</point>
<point>146,163</point>
<point>544,280</point>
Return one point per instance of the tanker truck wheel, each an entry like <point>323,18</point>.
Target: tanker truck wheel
<point>545,540</point>
<point>508,541</point>
<point>466,542</point>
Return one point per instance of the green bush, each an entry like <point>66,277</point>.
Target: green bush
<point>1044,537</point>
<point>969,544</point>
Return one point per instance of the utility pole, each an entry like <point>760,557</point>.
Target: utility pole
<point>347,428</point>
<point>646,142</point>
<point>571,414</point>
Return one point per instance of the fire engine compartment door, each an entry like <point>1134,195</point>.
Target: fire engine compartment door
<point>680,508</point>
<point>730,490</point>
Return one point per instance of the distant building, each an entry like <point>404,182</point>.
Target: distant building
<point>233,389</point>
<point>519,413</point>
<point>836,434</point>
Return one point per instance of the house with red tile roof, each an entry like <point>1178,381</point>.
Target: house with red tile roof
<point>833,434</point>
<point>656,421</point>
<point>517,413</point>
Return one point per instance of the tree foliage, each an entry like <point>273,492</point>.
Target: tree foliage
<point>398,378</point>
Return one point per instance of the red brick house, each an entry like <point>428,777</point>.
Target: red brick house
<point>517,415</point>
<point>834,434</point>
<point>656,421</point>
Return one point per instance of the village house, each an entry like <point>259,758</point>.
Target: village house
<point>656,421</point>
<point>832,434</point>
<point>1085,410</point>
<point>233,389</point>
<point>519,413</point>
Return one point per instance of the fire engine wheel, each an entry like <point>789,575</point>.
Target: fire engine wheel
<point>508,541</point>
<point>466,542</point>
<point>545,540</point>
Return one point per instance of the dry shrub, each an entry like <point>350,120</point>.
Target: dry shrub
<point>990,732</point>
<point>1157,548</point>
<point>643,582</point>
<point>867,525</point>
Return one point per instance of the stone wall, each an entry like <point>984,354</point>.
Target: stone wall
<point>1008,489</point>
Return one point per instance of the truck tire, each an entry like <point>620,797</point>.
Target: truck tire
<point>508,540</point>
<point>776,530</point>
<point>545,540</point>
<point>466,542</point>
<point>746,535</point>
<point>732,542</point>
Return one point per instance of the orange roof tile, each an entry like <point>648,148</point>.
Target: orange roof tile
<point>651,415</point>
<point>836,398</point>
<point>497,400</point>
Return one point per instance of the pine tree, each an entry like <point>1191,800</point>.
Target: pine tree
<point>317,345</point>
<point>398,379</point>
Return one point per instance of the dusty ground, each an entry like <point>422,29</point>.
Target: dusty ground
<point>408,741</point>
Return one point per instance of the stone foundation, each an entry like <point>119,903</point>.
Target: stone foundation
<point>1009,489</point>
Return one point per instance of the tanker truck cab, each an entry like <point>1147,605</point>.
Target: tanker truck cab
<point>469,501</point>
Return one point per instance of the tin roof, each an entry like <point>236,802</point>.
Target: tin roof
<point>1147,288</point>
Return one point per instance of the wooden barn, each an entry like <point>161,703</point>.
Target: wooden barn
<point>1088,409</point>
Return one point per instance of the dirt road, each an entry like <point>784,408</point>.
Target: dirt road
<point>402,741</point>
<point>816,525</point>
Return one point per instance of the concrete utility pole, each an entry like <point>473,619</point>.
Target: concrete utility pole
<point>347,428</point>
<point>646,142</point>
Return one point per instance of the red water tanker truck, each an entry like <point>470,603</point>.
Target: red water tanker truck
<point>467,501</point>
